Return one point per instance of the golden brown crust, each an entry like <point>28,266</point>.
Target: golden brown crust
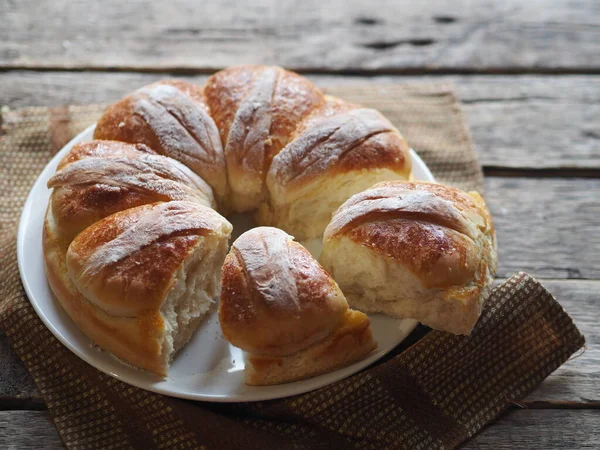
<point>231,133</point>
<point>292,98</point>
<point>135,340</point>
<point>115,297</point>
<point>441,257</point>
<point>338,138</point>
<point>258,112</point>
<point>100,149</point>
<point>417,250</point>
<point>430,228</point>
<point>276,298</point>
<point>224,92</point>
<point>279,305</point>
<point>99,178</point>
<point>257,109</point>
<point>125,263</point>
<point>171,118</point>
<point>351,342</point>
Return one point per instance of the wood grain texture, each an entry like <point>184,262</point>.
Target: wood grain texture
<point>537,429</point>
<point>397,36</point>
<point>516,429</point>
<point>520,122</point>
<point>28,430</point>
<point>534,122</point>
<point>546,226</point>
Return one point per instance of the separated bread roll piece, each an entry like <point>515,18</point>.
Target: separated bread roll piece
<point>172,119</point>
<point>280,306</point>
<point>99,178</point>
<point>257,109</point>
<point>339,150</point>
<point>139,282</point>
<point>414,250</point>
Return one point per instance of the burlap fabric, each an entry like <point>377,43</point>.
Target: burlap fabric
<point>434,394</point>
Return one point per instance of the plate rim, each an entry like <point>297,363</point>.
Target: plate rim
<point>143,383</point>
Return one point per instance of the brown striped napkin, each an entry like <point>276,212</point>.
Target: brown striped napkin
<point>435,393</point>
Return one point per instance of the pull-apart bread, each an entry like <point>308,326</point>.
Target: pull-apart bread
<point>414,250</point>
<point>133,251</point>
<point>252,138</point>
<point>280,306</point>
<point>134,246</point>
<point>264,138</point>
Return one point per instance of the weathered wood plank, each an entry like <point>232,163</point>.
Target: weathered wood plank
<point>540,429</point>
<point>574,384</point>
<point>344,35</point>
<point>531,429</point>
<point>524,122</point>
<point>25,430</point>
<point>534,122</point>
<point>546,226</point>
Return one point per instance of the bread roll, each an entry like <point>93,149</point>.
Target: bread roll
<point>139,282</point>
<point>257,109</point>
<point>280,306</point>
<point>99,178</point>
<point>339,150</point>
<point>414,250</point>
<point>171,118</point>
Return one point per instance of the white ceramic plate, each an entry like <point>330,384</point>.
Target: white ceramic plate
<point>208,368</point>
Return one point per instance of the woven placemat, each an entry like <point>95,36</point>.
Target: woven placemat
<point>434,394</point>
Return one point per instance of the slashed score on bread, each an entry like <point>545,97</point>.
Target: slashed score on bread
<point>414,250</point>
<point>280,306</point>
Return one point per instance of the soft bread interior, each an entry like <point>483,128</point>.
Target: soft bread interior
<point>351,342</point>
<point>373,282</point>
<point>118,335</point>
<point>305,212</point>
<point>196,287</point>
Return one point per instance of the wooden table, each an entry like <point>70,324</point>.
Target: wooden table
<point>528,75</point>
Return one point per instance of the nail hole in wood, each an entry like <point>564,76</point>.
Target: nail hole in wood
<point>366,21</point>
<point>445,19</point>
<point>385,45</point>
<point>421,42</point>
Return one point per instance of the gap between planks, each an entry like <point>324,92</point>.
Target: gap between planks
<point>366,73</point>
<point>343,36</point>
<point>518,172</point>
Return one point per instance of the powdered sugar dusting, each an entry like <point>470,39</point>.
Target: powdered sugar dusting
<point>389,202</point>
<point>148,226</point>
<point>251,125</point>
<point>183,127</point>
<point>146,172</point>
<point>324,144</point>
<point>265,254</point>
